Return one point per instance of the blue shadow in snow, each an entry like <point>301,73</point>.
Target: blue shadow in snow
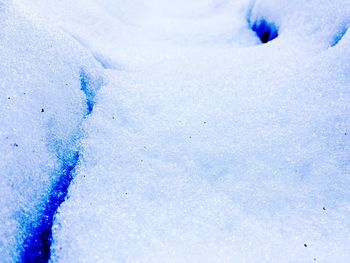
<point>89,86</point>
<point>339,36</point>
<point>264,30</point>
<point>36,246</point>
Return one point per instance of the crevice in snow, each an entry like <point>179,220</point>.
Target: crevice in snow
<point>339,36</point>
<point>261,24</point>
<point>36,247</point>
<point>89,86</point>
<point>265,30</point>
<point>37,244</point>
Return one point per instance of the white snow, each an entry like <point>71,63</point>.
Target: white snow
<point>203,146</point>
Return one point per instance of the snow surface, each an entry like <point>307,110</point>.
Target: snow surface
<point>41,109</point>
<point>196,142</point>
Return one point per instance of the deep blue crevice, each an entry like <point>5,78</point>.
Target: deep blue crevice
<point>265,30</point>
<point>36,246</point>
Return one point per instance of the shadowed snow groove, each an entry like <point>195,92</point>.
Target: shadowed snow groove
<point>265,30</point>
<point>36,247</point>
<point>88,89</point>
<point>339,36</point>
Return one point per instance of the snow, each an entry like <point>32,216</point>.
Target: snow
<point>41,110</point>
<point>189,139</point>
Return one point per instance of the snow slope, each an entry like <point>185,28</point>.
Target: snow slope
<point>205,145</point>
<point>41,111</point>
